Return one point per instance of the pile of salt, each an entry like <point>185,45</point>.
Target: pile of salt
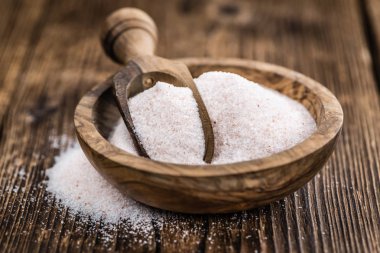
<point>249,121</point>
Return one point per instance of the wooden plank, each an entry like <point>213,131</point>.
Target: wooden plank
<point>50,75</point>
<point>53,56</point>
<point>371,21</point>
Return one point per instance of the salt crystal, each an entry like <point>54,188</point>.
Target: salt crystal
<point>21,172</point>
<point>249,122</point>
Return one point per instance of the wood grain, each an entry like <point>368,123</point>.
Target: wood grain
<point>50,56</point>
<point>370,10</point>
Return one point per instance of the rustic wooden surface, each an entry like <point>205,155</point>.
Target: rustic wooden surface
<point>50,56</point>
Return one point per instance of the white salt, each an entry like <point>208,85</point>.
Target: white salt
<point>76,183</point>
<point>249,122</point>
<point>167,122</point>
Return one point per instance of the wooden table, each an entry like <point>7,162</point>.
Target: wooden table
<point>50,56</point>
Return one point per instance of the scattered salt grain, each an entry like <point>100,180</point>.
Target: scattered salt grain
<point>21,172</point>
<point>249,122</point>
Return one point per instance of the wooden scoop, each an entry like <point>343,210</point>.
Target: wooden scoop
<point>129,37</point>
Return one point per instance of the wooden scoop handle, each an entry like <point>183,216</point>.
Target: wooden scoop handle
<point>129,37</point>
<point>127,33</point>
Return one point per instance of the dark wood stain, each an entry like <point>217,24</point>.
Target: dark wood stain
<point>229,9</point>
<point>189,6</point>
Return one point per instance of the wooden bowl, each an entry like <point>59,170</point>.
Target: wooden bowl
<point>213,188</point>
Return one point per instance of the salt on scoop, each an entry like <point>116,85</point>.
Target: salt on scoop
<point>167,122</point>
<point>249,122</point>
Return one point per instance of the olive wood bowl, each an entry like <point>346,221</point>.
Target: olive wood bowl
<point>210,188</point>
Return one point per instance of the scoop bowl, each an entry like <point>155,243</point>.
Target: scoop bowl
<point>213,188</point>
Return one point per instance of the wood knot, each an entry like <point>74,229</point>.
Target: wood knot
<point>229,13</point>
<point>229,9</point>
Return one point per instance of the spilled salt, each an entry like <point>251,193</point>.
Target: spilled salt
<point>249,122</point>
<point>79,186</point>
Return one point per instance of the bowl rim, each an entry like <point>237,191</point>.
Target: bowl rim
<point>327,130</point>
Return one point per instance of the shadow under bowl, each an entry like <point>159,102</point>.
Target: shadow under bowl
<point>213,188</point>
